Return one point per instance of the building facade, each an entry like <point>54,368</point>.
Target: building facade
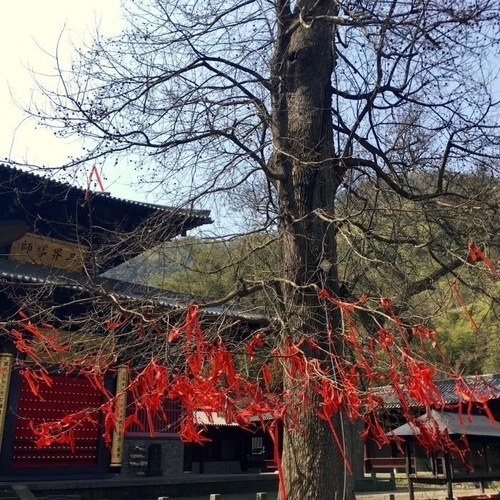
<point>56,243</point>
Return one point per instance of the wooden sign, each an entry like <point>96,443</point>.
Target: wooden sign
<point>6,363</point>
<point>121,404</point>
<point>48,252</point>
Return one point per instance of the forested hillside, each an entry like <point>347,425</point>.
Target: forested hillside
<point>212,269</point>
<point>465,312</point>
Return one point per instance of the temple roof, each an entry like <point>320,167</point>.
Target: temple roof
<point>22,273</point>
<point>58,210</point>
<point>479,385</point>
<point>451,423</point>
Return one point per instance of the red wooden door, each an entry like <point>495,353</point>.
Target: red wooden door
<point>66,395</point>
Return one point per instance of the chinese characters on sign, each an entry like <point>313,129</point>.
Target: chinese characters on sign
<point>121,402</point>
<point>48,252</point>
<point>6,363</point>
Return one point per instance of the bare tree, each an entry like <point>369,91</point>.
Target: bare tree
<point>332,117</point>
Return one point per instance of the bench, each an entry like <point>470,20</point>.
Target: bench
<point>482,496</point>
<point>270,465</point>
<point>373,464</point>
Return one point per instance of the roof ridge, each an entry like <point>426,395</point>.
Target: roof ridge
<point>204,214</point>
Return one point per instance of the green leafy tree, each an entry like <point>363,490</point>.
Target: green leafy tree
<point>217,269</point>
<point>469,334</point>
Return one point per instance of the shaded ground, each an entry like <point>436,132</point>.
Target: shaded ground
<point>234,486</point>
<point>401,493</point>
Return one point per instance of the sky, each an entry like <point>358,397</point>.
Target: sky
<point>31,30</point>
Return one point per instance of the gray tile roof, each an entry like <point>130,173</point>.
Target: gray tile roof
<point>452,423</point>
<point>480,385</point>
<point>19,272</point>
<point>45,176</point>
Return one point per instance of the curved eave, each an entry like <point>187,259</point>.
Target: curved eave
<point>42,189</point>
<point>22,273</point>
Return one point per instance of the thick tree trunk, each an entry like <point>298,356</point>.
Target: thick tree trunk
<point>309,176</point>
<point>314,468</point>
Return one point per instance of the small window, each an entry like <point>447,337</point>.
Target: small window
<point>258,446</point>
<point>165,423</point>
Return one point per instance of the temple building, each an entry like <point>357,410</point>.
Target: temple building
<point>56,241</point>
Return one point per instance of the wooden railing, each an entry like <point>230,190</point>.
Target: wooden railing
<point>385,463</point>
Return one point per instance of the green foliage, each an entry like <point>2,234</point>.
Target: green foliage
<point>471,340</point>
<point>408,258</point>
<point>216,269</point>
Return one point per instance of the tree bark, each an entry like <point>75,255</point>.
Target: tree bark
<point>309,176</point>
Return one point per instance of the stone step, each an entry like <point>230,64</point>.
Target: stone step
<point>61,496</point>
<point>7,493</point>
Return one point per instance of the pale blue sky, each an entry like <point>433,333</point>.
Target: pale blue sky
<point>29,38</point>
<point>32,31</point>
